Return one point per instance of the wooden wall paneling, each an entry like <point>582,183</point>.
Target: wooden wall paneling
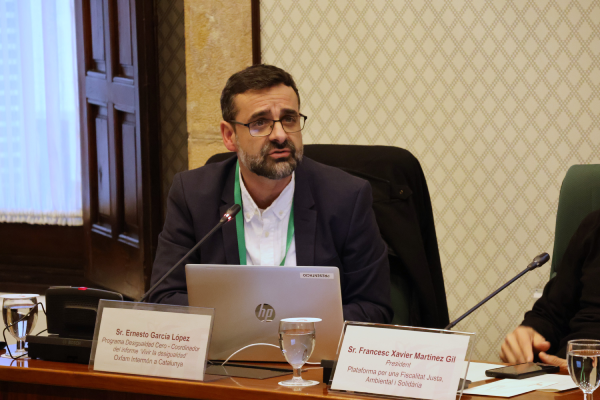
<point>121,138</point>
<point>102,167</point>
<point>123,94</point>
<point>130,231</point>
<point>116,175</point>
<point>125,60</point>
<point>89,160</point>
<point>116,266</point>
<point>34,257</point>
<point>96,10</point>
<point>255,15</point>
<point>148,125</point>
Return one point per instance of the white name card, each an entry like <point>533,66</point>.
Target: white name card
<point>151,339</point>
<point>400,361</point>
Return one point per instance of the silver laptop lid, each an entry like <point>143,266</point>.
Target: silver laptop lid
<point>249,302</point>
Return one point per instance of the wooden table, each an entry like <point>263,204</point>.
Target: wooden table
<point>36,379</point>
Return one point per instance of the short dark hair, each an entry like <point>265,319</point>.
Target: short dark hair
<point>256,77</point>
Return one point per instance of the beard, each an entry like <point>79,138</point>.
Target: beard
<point>263,165</point>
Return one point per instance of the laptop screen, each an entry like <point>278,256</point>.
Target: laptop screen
<point>249,302</point>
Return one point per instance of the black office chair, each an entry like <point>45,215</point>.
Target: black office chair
<point>403,211</point>
<point>579,196</point>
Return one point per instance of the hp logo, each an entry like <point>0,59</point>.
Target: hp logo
<point>265,312</point>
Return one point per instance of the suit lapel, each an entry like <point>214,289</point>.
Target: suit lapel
<point>305,219</point>
<point>230,242</point>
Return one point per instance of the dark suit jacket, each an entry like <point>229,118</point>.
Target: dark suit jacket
<point>334,226</point>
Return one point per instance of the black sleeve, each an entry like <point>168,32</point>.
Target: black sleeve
<point>175,240</point>
<point>552,314</point>
<point>366,272</point>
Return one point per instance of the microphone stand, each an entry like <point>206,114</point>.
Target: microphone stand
<point>537,262</point>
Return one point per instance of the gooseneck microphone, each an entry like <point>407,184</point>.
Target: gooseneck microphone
<point>228,216</point>
<point>537,262</point>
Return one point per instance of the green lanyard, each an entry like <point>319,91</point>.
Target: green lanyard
<point>239,221</point>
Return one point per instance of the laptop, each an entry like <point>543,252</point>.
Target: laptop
<point>249,302</point>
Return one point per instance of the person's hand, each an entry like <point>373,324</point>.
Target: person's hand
<point>553,360</point>
<point>520,345</point>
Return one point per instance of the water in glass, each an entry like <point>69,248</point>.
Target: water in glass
<point>14,313</point>
<point>582,361</point>
<point>297,341</point>
<point>19,312</point>
<point>297,345</point>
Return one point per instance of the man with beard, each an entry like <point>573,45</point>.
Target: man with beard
<point>295,211</point>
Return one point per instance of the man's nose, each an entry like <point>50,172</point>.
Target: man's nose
<point>278,134</point>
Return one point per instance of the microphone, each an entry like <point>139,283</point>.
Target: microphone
<point>228,216</point>
<point>537,262</point>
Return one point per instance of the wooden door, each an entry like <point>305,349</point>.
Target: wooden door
<point>120,141</point>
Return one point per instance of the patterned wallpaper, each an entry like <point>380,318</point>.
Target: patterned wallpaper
<point>171,67</point>
<point>496,98</point>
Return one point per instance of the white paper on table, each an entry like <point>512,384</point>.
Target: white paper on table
<point>512,387</point>
<point>563,382</point>
<point>477,371</point>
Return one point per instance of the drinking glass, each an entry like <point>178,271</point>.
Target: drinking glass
<point>582,361</point>
<point>20,315</point>
<point>297,341</point>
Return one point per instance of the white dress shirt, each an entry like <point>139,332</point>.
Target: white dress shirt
<point>265,231</point>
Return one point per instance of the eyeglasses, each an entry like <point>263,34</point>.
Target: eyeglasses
<point>263,126</point>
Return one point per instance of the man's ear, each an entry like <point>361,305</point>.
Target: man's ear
<point>228,135</point>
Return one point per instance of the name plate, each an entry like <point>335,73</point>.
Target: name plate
<point>151,339</point>
<point>398,361</point>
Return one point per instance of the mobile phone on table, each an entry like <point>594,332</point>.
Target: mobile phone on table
<point>522,371</point>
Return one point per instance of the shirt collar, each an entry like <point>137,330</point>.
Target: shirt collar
<point>280,207</point>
